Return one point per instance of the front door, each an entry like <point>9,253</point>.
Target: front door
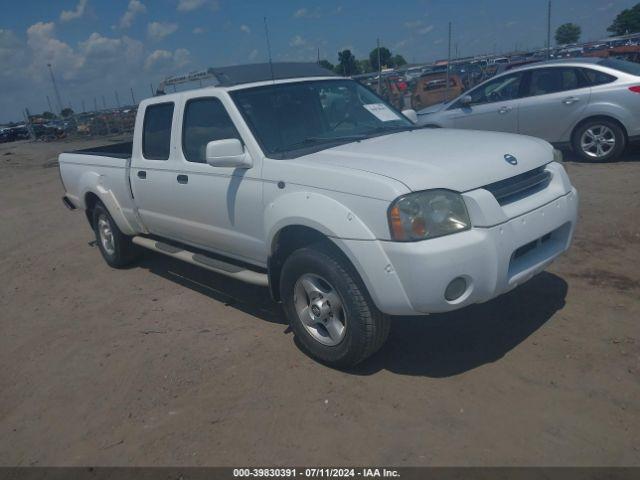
<point>493,106</point>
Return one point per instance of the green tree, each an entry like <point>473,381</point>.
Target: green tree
<point>568,33</point>
<point>66,112</point>
<point>48,115</point>
<point>326,64</point>
<point>398,60</point>
<point>627,21</point>
<point>365,65</point>
<point>385,58</point>
<point>347,64</point>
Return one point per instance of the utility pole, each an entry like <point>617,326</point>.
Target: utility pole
<point>133,99</point>
<point>117,98</point>
<point>549,31</point>
<point>151,86</point>
<point>446,92</point>
<point>83,109</point>
<point>95,104</point>
<point>55,88</point>
<point>49,102</point>
<point>379,68</point>
<point>104,103</point>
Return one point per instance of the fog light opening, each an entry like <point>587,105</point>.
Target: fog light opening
<point>455,289</point>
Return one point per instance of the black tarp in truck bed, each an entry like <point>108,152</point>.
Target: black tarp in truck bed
<point>117,150</point>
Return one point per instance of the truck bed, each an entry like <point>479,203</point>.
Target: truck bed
<point>116,150</point>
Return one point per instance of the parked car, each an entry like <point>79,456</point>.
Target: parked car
<point>431,89</point>
<point>349,213</point>
<point>590,105</point>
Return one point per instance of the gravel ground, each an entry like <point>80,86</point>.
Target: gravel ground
<point>166,364</point>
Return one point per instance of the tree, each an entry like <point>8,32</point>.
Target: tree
<point>326,64</point>
<point>398,60</point>
<point>48,115</point>
<point>365,65</point>
<point>385,58</point>
<point>568,33</point>
<point>347,64</point>
<point>627,21</point>
<point>66,112</point>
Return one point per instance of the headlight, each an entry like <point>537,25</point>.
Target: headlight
<point>428,214</point>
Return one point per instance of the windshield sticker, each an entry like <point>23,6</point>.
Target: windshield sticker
<point>382,112</point>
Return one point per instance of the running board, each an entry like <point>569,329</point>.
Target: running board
<point>203,261</point>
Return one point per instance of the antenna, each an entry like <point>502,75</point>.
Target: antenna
<point>266,34</point>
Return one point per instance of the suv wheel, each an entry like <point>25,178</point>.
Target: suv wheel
<point>328,307</point>
<point>599,141</point>
<point>116,247</point>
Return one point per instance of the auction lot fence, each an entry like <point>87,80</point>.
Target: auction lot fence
<point>405,473</point>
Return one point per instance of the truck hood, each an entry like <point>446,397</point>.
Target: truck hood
<point>458,160</point>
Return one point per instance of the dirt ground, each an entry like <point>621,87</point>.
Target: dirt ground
<point>166,364</point>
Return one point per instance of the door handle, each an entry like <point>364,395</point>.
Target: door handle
<point>182,179</point>
<point>503,110</point>
<point>142,174</point>
<point>570,100</point>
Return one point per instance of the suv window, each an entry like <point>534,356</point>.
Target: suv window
<point>156,132</point>
<point>551,80</point>
<point>497,90</point>
<point>205,120</point>
<point>597,78</point>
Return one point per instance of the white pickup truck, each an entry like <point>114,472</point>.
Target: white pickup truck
<point>318,189</point>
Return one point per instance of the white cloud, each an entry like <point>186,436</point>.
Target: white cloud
<point>424,30</point>
<point>68,15</point>
<point>511,23</point>
<point>191,5</point>
<point>159,30</point>
<point>167,62</point>
<point>297,41</point>
<point>245,29</point>
<point>134,8</point>
<point>413,23</point>
<point>198,31</point>
<point>253,55</point>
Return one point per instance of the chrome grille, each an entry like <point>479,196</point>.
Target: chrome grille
<point>521,186</point>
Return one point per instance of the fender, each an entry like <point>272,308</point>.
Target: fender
<point>92,183</point>
<point>313,210</point>
<point>605,109</point>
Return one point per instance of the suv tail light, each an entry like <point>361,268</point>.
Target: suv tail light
<point>635,89</point>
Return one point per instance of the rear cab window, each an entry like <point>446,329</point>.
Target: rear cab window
<point>156,131</point>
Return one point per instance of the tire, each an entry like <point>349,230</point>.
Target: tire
<point>116,247</point>
<point>320,276</point>
<point>606,139</point>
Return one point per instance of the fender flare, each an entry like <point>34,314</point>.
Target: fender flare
<point>313,210</point>
<point>92,182</point>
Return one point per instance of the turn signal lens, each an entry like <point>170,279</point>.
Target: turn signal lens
<point>635,89</point>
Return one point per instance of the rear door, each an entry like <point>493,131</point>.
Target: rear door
<point>554,101</point>
<point>494,105</point>
<point>152,167</point>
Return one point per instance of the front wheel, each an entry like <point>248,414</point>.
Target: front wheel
<point>599,140</point>
<point>328,307</point>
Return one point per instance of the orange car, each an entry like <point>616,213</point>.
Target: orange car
<point>431,89</point>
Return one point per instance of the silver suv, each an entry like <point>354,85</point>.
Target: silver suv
<point>589,104</point>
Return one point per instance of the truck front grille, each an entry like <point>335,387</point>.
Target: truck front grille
<point>520,186</point>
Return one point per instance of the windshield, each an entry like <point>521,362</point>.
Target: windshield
<point>293,119</point>
<point>622,65</point>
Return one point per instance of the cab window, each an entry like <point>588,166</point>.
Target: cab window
<point>205,120</point>
<point>156,131</point>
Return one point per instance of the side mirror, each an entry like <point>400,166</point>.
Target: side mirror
<point>227,153</point>
<point>466,101</point>
<point>411,115</point>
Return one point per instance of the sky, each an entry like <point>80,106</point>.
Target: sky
<point>98,47</point>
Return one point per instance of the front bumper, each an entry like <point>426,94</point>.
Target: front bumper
<point>493,260</point>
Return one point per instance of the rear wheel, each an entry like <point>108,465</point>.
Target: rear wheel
<point>599,140</point>
<point>328,307</point>
<point>116,247</point>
